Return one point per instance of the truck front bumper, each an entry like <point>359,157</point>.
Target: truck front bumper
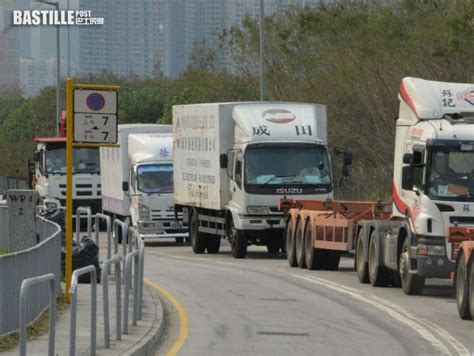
<point>260,222</point>
<point>434,266</point>
<point>162,229</point>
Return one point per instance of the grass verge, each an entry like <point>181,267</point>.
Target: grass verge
<point>39,327</point>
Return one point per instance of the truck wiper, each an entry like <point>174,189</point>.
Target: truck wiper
<point>275,177</point>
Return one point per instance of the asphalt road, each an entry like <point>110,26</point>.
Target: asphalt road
<point>261,306</point>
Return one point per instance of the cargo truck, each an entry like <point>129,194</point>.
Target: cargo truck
<point>234,161</point>
<point>48,172</point>
<point>137,181</point>
<point>417,236</point>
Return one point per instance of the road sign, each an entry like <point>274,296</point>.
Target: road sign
<point>95,116</point>
<point>95,101</point>
<point>95,128</point>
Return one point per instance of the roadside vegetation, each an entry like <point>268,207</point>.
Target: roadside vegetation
<point>39,327</point>
<point>350,56</point>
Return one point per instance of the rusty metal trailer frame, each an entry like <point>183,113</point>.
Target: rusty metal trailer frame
<point>333,223</point>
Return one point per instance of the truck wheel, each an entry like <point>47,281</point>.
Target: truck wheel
<point>379,276</point>
<point>290,243</point>
<point>331,260</point>
<point>213,244</point>
<point>179,240</point>
<point>412,284</point>
<point>470,270</point>
<point>197,240</point>
<point>238,242</point>
<point>299,245</point>
<point>361,264</point>
<point>313,256</point>
<point>462,288</point>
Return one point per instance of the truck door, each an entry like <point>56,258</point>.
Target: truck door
<point>236,178</point>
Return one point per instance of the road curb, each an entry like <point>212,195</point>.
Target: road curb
<point>149,342</point>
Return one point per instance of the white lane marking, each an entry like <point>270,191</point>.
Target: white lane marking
<point>225,263</point>
<point>398,313</point>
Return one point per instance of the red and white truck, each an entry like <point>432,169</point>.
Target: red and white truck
<point>424,231</point>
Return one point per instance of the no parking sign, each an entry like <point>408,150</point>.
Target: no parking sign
<point>95,116</point>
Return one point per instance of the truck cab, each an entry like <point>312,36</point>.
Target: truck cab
<point>275,155</point>
<point>433,187</point>
<point>151,186</point>
<point>49,175</point>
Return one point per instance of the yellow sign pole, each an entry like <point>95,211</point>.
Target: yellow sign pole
<point>69,190</point>
<point>70,86</point>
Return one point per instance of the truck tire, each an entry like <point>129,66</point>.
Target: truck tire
<point>198,241</point>
<point>313,256</point>
<point>179,240</point>
<point>412,284</point>
<point>213,244</point>
<point>299,244</point>
<point>331,260</point>
<point>461,286</point>
<point>238,241</point>
<point>379,276</point>
<point>290,243</point>
<point>470,269</point>
<point>360,263</point>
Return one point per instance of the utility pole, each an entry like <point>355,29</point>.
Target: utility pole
<point>262,54</point>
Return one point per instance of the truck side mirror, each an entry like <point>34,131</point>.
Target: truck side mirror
<point>125,186</point>
<point>223,160</point>
<point>407,177</point>
<point>37,156</point>
<point>408,158</point>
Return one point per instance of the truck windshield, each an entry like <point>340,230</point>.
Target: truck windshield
<point>85,160</point>
<point>451,175</point>
<point>287,165</point>
<point>155,178</point>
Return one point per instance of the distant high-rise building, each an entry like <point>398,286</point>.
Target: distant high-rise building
<point>185,25</point>
<point>9,58</point>
<point>126,44</point>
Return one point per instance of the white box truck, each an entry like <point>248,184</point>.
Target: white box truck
<point>234,161</point>
<point>137,180</point>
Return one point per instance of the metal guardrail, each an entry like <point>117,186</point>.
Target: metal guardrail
<point>115,259</point>
<point>79,212</point>
<point>107,219</point>
<point>73,291</point>
<point>140,247</point>
<point>15,267</point>
<point>25,286</point>
<point>123,225</point>
<point>128,282</point>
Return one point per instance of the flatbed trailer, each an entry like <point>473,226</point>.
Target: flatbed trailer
<point>317,232</point>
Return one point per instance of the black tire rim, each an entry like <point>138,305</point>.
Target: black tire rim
<point>360,254</point>
<point>308,244</point>
<point>372,260</point>
<point>299,241</point>
<point>403,268</point>
<point>460,285</point>
<point>289,244</point>
<point>193,232</point>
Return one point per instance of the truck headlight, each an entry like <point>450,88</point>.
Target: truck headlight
<point>258,210</point>
<point>143,212</point>
<point>431,250</point>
